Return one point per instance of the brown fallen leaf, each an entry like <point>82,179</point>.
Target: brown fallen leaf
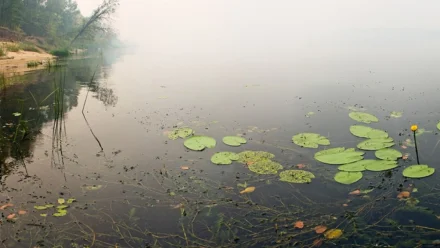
<point>184,167</point>
<point>404,147</point>
<point>300,166</point>
<point>228,187</point>
<point>403,194</point>
<point>405,156</point>
<point>248,190</point>
<point>345,205</point>
<point>299,224</point>
<point>180,205</point>
<point>6,206</point>
<point>320,229</point>
<point>355,192</point>
<point>10,217</point>
<point>317,243</point>
<point>22,212</point>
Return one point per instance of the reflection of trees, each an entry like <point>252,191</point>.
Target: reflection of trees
<point>42,88</point>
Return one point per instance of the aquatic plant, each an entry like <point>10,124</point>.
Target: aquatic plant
<point>346,177</point>
<point>182,132</point>
<point>339,155</point>
<point>388,154</point>
<point>224,158</point>
<point>265,167</point>
<point>363,117</point>
<point>310,140</point>
<point>199,143</point>
<point>234,140</point>
<point>296,176</point>
<point>376,144</point>
<point>418,171</point>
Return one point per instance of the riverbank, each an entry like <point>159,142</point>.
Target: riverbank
<point>15,60</point>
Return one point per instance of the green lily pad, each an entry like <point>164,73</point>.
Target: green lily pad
<point>60,213</point>
<point>438,126</point>
<point>247,157</point>
<point>40,207</point>
<point>339,155</point>
<point>16,114</point>
<point>360,131</point>
<point>224,158</point>
<point>199,143</point>
<point>381,165</point>
<point>396,114</point>
<point>310,140</point>
<point>296,176</point>
<point>310,114</point>
<point>346,177</point>
<point>375,144</point>
<point>182,132</point>
<point>377,134</point>
<point>71,200</point>
<point>388,154</point>
<point>418,171</point>
<point>265,167</point>
<point>357,166</point>
<point>234,140</point>
<point>62,206</point>
<point>363,117</point>
<point>92,187</point>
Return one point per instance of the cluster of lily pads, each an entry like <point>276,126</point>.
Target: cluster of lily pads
<point>351,161</point>
<point>61,208</point>
<point>259,162</point>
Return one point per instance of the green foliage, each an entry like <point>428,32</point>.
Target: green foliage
<point>418,171</point>
<point>247,157</point>
<point>2,52</point>
<point>199,143</point>
<point>182,132</point>
<point>381,165</point>
<point>224,158</point>
<point>62,53</point>
<point>33,63</point>
<point>345,177</point>
<point>265,167</point>
<point>296,176</point>
<point>12,47</point>
<point>375,144</point>
<point>363,117</point>
<point>388,154</point>
<point>28,47</point>
<point>234,140</point>
<point>339,155</point>
<point>357,166</point>
<point>310,140</point>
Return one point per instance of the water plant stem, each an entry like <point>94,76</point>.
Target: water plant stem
<point>417,151</point>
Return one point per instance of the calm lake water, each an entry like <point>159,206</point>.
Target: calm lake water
<point>133,192</point>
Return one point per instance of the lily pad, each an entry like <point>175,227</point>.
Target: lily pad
<point>60,213</point>
<point>339,155</point>
<point>360,131</point>
<point>16,114</point>
<point>71,200</point>
<point>375,144</point>
<point>377,134</point>
<point>310,140</point>
<point>438,126</point>
<point>346,177</point>
<point>199,143</point>
<point>224,158</point>
<point>396,114</point>
<point>234,140</point>
<point>357,166</point>
<point>388,154</point>
<point>310,114</point>
<point>296,176</point>
<point>421,131</point>
<point>418,171</point>
<point>249,157</point>
<point>381,165</point>
<point>182,132</point>
<point>265,167</point>
<point>363,117</point>
<point>333,234</point>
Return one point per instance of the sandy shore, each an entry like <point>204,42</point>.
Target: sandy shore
<point>16,62</point>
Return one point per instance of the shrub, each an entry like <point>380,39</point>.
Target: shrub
<point>60,52</point>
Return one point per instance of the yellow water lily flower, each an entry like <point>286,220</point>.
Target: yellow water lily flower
<point>414,128</point>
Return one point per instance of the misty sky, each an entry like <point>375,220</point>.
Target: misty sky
<point>137,19</point>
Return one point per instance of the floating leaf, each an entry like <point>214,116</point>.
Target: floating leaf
<point>403,194</point>
<point>22,212</point>
<point>339,155</point>
<point>320,229</point>
<point>345,177</point>
<point>356,166</point>
<point>388,154</point>
<point>333,234</point>
<point>299,224</point>
<point>182,132</point>
<point>418,171</point>
<point>6,206</point>
<point>438,126</point>
<point>92,187</point>
<point>355,192</point>
<point>184,167</point>
<point>396,114</point>
<point>234,140</point>
<point>11,216</point>
<point>62,206</point>
<point>60,213</point>
<point>363,117</point>
<point>381,165</point>
<point>247,157</point>
<point>310,140</point>
<point>360,131</point>
<point>224,158</point>
<point>296,176</point>
<point>300,166</point>
<point>310,114</point>
<point>71,200</point>
<point>375,144</point>
<point>199,143</point>
<point>61,201</point>
<point>366,191</point>
<point>248,190</point>
<point>317,243</point>
<point>421,131</point>
<point>40,207</point>
<point>265,167</point>
<point>43,215</point>
<point>377,134</point>
<point>16,114</point>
